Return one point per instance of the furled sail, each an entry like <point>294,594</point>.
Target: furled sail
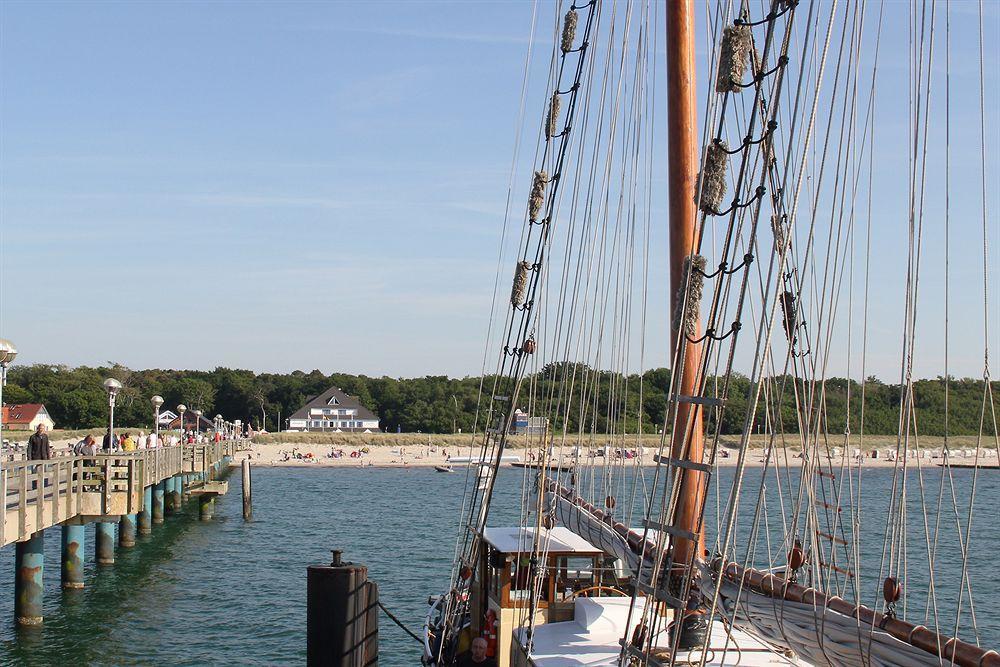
<point>590,523</point>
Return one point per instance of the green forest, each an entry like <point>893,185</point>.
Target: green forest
<point>437,404</point>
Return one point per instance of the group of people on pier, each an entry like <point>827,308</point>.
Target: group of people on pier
<point>39,448</point>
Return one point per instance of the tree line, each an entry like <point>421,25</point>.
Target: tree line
<point>594,400</point>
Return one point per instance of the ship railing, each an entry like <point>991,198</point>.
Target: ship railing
<point>430,621</point>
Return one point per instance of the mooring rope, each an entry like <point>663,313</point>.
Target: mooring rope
<point>394,619</point>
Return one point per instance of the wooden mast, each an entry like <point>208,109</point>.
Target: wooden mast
<point>683,178</point>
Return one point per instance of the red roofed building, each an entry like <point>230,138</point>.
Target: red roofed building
<point>26,417</point>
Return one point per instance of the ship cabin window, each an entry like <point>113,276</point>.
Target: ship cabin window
<point>508,575</point>
<point>574,574</point>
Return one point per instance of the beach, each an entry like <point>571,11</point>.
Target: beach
<point>306,455</point>
<point>402,450</point>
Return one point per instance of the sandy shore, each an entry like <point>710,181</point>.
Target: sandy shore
<point>307,455</point>
<point>390,451</point>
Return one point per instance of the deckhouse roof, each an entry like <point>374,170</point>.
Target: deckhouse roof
<point>559,540</point>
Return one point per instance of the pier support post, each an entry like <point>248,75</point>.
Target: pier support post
<point>168,497</point>
<point>341,615</point>
<point>144,520</point>
<point>247,493</point>
<point>157,509</point>
<point>206,507</point>
<point>72,556</point>
<point>29,561</point>
<point>104,543</point>
<point>126,531</point>
<point>178,492</point>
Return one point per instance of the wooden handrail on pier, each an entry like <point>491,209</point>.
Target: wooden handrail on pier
<point>41,494</point>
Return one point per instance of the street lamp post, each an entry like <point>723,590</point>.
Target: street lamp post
<point>197,424</point>
<point>112,386</point>
<point>157,401</point>
<point>7,354</point>
<point>104,532</point>
<point>182,409</point>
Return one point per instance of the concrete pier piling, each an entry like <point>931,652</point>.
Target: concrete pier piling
<point>168,497</point>
<point>104,543</point>
<point>247,493</point>
<point>29,562</point>
<point>159,491</point>
<point>178,492</point>
<point>144,520</point>
<point>72,556</point>
<point>126,531</point>
<point>206,507</point>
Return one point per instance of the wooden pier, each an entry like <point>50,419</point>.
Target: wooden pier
<point>132,489</point>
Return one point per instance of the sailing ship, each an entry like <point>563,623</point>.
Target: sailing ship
<point>611,564</point>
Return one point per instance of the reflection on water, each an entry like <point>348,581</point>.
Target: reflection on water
<point>229,592</point>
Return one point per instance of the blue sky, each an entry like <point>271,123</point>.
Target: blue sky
<point>280,186</point>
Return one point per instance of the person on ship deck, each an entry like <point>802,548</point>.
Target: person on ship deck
<point>476,655</point>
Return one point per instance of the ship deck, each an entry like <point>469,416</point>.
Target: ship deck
<point>591,640</point>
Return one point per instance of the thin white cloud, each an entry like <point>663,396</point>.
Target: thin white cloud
<point>479,38</point>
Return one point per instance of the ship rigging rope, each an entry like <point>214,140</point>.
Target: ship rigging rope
<point>834,525</point>
<point>525,78</point>
<point>765,326</point>
<point>719,296</point>
<point>987,382</point>
<point>515,354</point>
<point>894,545</point>
<point>808,471</point>
<point>589,326</point>
<point>910,422</point>
<point>540,546</point>
<point>719,289</point>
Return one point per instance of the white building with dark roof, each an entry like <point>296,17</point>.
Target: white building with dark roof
<point>333,410</point>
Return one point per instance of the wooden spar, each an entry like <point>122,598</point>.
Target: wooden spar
<point>682,177</point>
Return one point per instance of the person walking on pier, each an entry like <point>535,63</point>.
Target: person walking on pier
<point>38,445</point>
<point>85,447</point>
<point>128,444</point>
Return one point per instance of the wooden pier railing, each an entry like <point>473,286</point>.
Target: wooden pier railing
<point>41,494</point>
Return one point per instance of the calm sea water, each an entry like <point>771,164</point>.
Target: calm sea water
<point>229,592</point>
